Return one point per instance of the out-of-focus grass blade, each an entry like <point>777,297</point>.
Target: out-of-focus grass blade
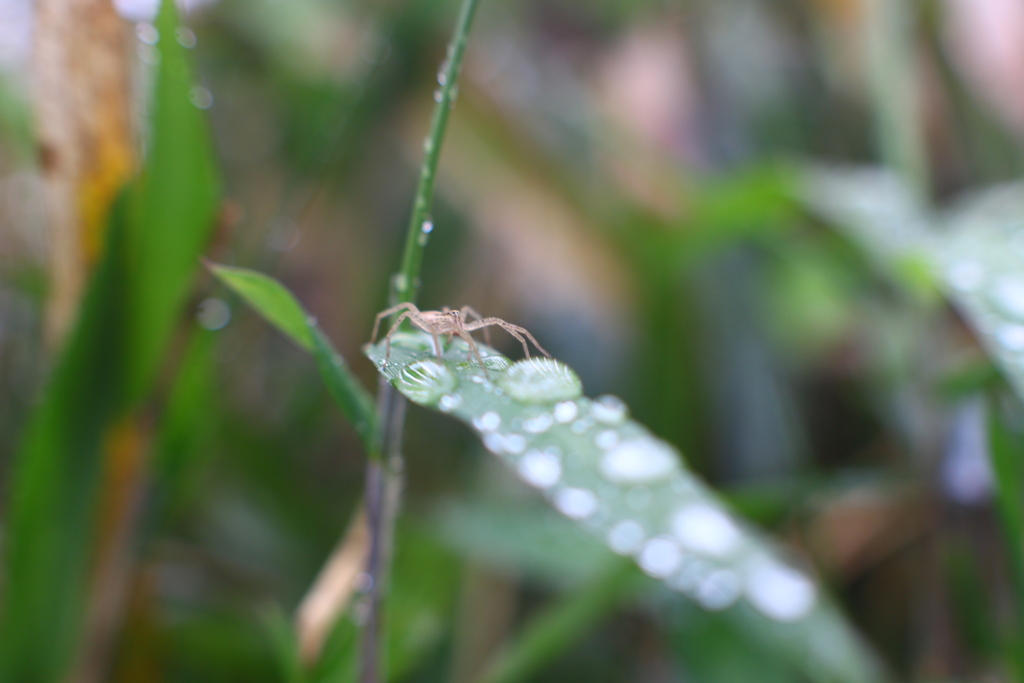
<point>1007,448</point>
<point>174,207</point>
<point>613,478</point>
<point>277,305</point>
<point>557,628</point>
<point>974,251</point>
<point>53,486</point>
<point>107,366</point>
<point>421,598</point>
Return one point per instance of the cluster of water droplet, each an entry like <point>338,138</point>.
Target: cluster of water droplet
<point>603,470</point>
<point>149,54</point>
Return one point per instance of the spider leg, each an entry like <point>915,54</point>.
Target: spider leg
<point>387,312</point>
<point>513,330</point>
<point>394,328</point>
<point>470,311</point>
<point>474,352</point>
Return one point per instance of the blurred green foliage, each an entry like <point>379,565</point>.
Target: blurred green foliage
<point>620,179</point>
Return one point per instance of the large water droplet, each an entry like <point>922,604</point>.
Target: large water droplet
<point>660,556</point>
<point>704,529</point>
<point>540,469</point>
<point>576,503</point>
<point>540,380</point>
<point>1011,337</point>
<point>487,422</point>
<point>185,37</point>
<point>147,33</point>
<point>719,590</point>
<point>965,276</point>
<point>607,439</point>
<point>515,443</point>
<point>426,381</point>
<point>638,461</point>
<point>565,411</point>
<point>779,592</point>
<point>449,402</point>
<point>201,97</point>
<point>625,537</point>
<point>1008,294</point>
<point>539,423</point>
<point>610,410</point>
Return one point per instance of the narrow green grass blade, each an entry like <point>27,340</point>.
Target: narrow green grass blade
<point>617,481</point>
<point>550,633</point>
<point>49,520</point>
<point>270,299</point>
<point>173,212</point>
<point>275,303</point>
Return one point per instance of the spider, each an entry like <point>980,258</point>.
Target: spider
<point>451,324</point>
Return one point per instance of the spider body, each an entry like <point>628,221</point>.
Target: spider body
<point>450,323</point>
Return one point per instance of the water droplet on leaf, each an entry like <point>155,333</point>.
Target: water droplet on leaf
<point>659,557</point>
<point>576,503</point>
<point>704,529</point>
<point>779,592</point>
<point>426,381</point>
<point>540,469</point>
<point>638,461</point>
<point>540,380</point>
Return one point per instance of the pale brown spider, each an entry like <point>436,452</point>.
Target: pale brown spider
<point>451,324</point>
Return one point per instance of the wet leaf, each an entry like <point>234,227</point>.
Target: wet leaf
<point>632,490</point>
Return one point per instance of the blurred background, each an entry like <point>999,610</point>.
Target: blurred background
<point>621,178</point>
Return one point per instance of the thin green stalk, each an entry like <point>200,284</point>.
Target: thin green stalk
<point>406,283</point>
<point>891,67</point>
<point>383,476</point>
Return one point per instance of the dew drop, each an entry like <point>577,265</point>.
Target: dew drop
<point>609,409</point>
<point>581,426</point>
<point>625,537</point>
<point>565,411</point>
<point>494,442</point>
<point>185,37</point>
<point>607,439</point>
<point>704,529</point>
<point>149,54</point>
<point>213,314</point>
<point>1011,337</point>
<point>427,227</point>
<point>660,556</point>
<point>1008,294</point>
<point>201,97</point>
<point>538,424</point>
<point>428,145</point>
<point>487,422</point>
<point>540,380</point>
<point>438,95</point>
<point>515,443</point>
<point>576,503</point>
<point>421,239</point>
<point>311,320</point>
<point>779,592</point>
<point>638,461</point>
<point>719,590</point>
<point>965,276</point>
<point>540,469</point>
<point>426,381</point>
<point>691,575</point>
<point>449,402</point>
<point>147,33</point>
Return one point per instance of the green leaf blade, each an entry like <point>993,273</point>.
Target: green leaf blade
<point>613,478</point>
<point>280,308</point>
